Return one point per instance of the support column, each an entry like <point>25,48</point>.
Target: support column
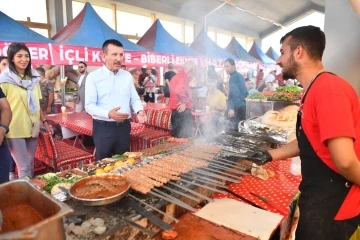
<point>60,14</point>
<point>342,41</point>
<point>153,17</point>
<point>113,9</point>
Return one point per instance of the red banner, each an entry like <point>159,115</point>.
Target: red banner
<point>59,54</point>
<point>40,52</point>
<point>69,55</point>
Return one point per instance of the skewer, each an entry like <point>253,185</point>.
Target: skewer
<point>199,171</point>
<point>181,193</point>
<point>153,208</point>
<point>191,191</point>
<point>204,178</point>
<point>172,200</point>
<point>206,182</point>
<point>220,172</point>
<point>206,187</point>
<point>228,169</point>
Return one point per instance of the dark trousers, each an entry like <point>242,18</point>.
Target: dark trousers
<point>147,97</point>
<point>239,115</point>
<point>5,159</point>
<point>111,138</point>
<point>182,124</point>
<point>12,165</point>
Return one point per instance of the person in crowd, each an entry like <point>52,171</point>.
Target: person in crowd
<point>5,156</point>
<point>135,74</point>
<point>47,92</point>
<point>143,75</point>
<point>109,93</point>
<point>269,87</point>
<point>270,77</point>
<point>21,86</point>
<point>289,82</point>
<point>167,77</point>
<point>251,88</point>
<point>123,67</point>
<point>216,100</point>
<point>213,76</point>
<point>236,106</point>
<point>280,79</point>
<point>12,176</point>
<point>3,63</point>
<point>81,83</point>
<point>328,140</point>
<point>259,78</point>
<point>275,85</point>
<point>180,101</point>
<point>149,84</point>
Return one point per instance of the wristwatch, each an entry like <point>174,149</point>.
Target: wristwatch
<point>6,128</point>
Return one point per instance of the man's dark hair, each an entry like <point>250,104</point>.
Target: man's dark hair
<point>311,38</point>
<point>153,72</point>
<point>2,58</point>
<point>81,62</point>
<point>231,61</point>
<point>170,66</point>
<point>112,42</point>
<point>41,71</point>
<point>123,66</point>
<point>247,80</point>
<point>261,70</point>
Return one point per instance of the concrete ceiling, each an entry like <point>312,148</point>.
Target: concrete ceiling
<point>231,19</point>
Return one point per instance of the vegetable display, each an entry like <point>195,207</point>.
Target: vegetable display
<point>257,95</point>
<point>52,180</point>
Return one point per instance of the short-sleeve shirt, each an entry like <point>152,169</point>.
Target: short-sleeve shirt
<point>47,87</point>
<point>21,125</point>
<point>216,101</point>
<point>169,75</point>
<point>332,110</point>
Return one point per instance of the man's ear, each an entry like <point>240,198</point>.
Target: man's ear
<point>299,52</point>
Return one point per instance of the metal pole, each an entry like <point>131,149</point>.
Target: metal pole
<point>205,22</point>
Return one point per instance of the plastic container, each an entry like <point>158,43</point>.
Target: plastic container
<point>295,166</point>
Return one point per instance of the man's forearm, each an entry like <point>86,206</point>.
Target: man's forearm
<point>288,151</point>
<point>5,112</point>
<point>351,172</point>
<point>51,99</point>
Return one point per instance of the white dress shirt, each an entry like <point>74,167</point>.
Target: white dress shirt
<point>270,78</point>
<point>105,90</point>
<point>80,80</point>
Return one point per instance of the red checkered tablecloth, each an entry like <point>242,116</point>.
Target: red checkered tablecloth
<point>156,106</point>
<point>279,189</point>
<point>82,122</point>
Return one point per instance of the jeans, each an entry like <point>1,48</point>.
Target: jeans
<point>23,152</point>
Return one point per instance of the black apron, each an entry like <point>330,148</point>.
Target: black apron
<point>322,194</point>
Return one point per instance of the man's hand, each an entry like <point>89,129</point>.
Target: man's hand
<point>260,158</point>
<point>231,113</point>
<point>48,128</point>
<point>48,110</point>
<point>141,117</point>
<point>119,117</point>
<point>2,134</point>
<point>181,107</point>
